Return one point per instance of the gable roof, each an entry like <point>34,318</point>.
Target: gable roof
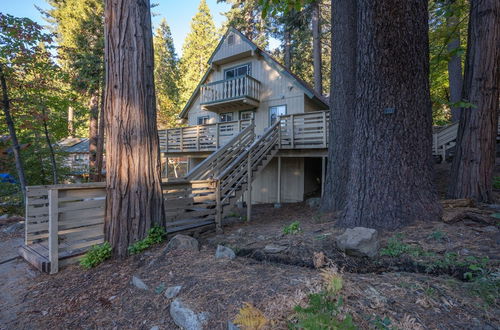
<point>307,89</point>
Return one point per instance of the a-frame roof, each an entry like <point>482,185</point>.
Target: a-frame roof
<point>307,89</point>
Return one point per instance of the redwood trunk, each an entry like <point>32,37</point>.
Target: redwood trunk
<point>391,166</point>
<point>16,149</point>
<point>454,65</point>
<point>93,134</point>
<point>134,197</point>
<point>316,31</point>
<point>52,154</point>
<point>472,168</point>
<point>100,140</point>
<point>342,102</point>
<point>287,48</point>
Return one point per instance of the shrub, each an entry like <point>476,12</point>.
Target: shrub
<point>292,229</point>
<point>96,255</point>
<point>155,235</point>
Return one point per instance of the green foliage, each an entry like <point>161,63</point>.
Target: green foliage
<point>96,255</point>
<point>324,308</point>
<point>11,199</point>
<point>197,49</point>
<point>496,182</point>
<point>155,235</point>
<point>395,248</point>
<point>292,229</point>
<point>167,76</point>
<point>437,235</point>
<point>383,323</point>
<point>487,288</point>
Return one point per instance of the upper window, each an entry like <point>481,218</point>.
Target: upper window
<point>230,39</point>
<point>225,117</point>
<point>203,120</point>
<point>275,112</point>
<point>237,71</point>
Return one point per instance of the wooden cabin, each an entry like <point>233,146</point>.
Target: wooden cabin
<point>245,84</point>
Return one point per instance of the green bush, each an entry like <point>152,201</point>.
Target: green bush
<point>155,235</point>
<point>292,229</point>
<point>96,255</point>
<point>496,182</point>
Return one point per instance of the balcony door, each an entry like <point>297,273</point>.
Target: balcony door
<point>235,87</point>
<point>275,112</point>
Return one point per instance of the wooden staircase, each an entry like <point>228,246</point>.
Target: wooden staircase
<point>235,166</point>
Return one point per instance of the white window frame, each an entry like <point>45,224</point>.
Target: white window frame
<point>204,120</point>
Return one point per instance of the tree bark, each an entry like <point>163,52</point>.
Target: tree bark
<point>454,65</point>
<point>134,197</point>
<point>287,48</point>
<point>390,173</point>
<point>93,134</point>
<point>472,168</point>
<point>342,102</point>
<point>71,122</point>
<point>317,63</point>
<point>51,149</point>
<point>16,149</point>
<point>100,141</point>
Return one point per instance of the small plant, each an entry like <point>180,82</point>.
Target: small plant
<point>96,255</point>
<point>395,248</point>
<point>155,235</point>
<point>324,308</point>
<point>437,235</point>
<point>496,182</point>
<point>383,323</point>
<point>292,229</point>
<point>250,317</point>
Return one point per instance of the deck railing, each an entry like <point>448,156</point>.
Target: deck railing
<point>200,138</point>
<point>230,89</point>
<point>305,130</point>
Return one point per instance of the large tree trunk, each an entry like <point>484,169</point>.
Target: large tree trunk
<point>100,141</point>
<point>316,31</point>
<point>454,64</point>
<point>287,38</point>
<point>472,167</point>
<point>93,134</point>
<point>134,198</point>
<point>391,166</point>
<point>16,149</point>
<point>51,150</point>
<point>342,102</point>
<point>71,122</point>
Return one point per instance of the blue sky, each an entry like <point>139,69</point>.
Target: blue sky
<point>177,12</point>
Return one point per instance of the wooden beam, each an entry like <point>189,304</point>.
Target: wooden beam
<point>53,230</point>
<point>249,186</point>
<point>279,184</point>
<point>323,174</point>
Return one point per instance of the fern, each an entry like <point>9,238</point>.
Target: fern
<point>250,318</point>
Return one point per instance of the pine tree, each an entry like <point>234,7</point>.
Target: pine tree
<point>167,76</point>
<point>197,49</point>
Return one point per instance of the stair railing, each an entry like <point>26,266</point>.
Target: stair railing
<point>217,161</point>
<point>240,172</point>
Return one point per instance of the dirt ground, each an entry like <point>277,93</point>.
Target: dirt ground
<point>424,287</point>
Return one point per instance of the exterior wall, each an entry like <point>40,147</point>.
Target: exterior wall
<point>225,50</point>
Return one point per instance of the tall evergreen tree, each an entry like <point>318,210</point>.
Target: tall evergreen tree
<point>198,46</point>
<point>79,28</point>
<point>167,76</point>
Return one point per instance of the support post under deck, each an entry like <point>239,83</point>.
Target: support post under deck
<point>249,186</point>
<point>278,201</point>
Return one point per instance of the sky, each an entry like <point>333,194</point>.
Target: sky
<point>177,12</point>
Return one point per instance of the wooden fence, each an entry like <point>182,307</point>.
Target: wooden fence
<point>64,221</point>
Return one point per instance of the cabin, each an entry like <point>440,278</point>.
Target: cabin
<point>76,155</point>
<point>244,86</point>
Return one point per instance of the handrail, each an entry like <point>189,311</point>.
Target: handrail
<point>230,79</point>
<point>207,163</point>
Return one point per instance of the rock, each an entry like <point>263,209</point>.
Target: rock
<point>155,328</point>
<point>13,228</point>
<point>182,242</point>
<point>313,202</point>
<point>273,248</point>
<point>138,283</point>
<point>359,241</point>
<point>232,326</point>
<point>261,238</point>
<point>172,291</point>
<point>185,317</point>
<point>224,252</point>
<point>3,217</point>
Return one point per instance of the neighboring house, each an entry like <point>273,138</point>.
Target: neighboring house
<point>244,84</point>
<point>76,155</point>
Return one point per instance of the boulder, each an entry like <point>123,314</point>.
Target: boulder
<point>224,252</point>
<point>182,242</point>
<point>184,317</point>
<point>273,248</point>
<point>138,283</point>
<point>359,241</point>
<point>172,291</point>
<point>313,202</point>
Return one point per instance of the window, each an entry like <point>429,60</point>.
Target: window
<point>230,39</point>
<point>225,117</point>
<point>275,112</point>
<point>246,115</point>
<point>238,71</point>
<point>203,120</point>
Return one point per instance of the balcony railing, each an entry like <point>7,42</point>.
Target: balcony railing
<point>230,89</point>
<point>305,130</point>
<point>200,138</point>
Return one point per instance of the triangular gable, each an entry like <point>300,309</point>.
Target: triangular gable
<point>240,37</point>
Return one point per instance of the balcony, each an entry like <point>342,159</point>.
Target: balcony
<point>234,94</point>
